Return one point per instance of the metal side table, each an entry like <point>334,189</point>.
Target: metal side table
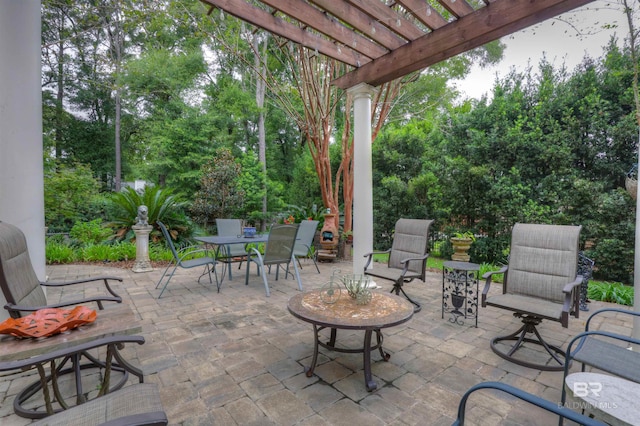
<point>460,291</point>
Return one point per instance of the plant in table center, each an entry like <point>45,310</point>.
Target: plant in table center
<point>357,286</point>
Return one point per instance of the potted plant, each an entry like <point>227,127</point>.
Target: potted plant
<point>461,242</point>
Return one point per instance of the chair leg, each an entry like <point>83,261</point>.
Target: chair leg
<point>398,288</point>
<point>313,257</point>
<point>167,282</point>
<point>297,272</point>
<point>520,337</point>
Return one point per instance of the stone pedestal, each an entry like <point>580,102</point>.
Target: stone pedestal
<point>142,263</point>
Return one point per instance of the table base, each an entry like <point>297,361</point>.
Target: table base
<point>366,351</point>
<point>51,381</point>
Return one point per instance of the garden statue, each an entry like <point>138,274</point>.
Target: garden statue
<point>143,216</point>
<point>142,230</point>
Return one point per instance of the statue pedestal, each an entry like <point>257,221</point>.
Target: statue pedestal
<point>142,263</point>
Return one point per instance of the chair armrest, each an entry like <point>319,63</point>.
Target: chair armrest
<point>568,288</point>
<point>99,299</point>
<point>105,279</point>
<point>617,310</point>
<point>544,404</point>
<point>569,294</point>
<point>187,254</point>
<point>487,285</point>
<point>406,261</point>
<point>369,257</point>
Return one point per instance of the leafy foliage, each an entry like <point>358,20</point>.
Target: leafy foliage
<point>162,206</point>
<point>90,232</point>
<point>611,292</point>
<point>71,194</point>
<point>219,195</point>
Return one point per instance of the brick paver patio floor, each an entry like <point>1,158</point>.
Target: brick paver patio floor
<point>238,358</point>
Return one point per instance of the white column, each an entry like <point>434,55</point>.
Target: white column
<point>636,266</point>
<point>362,181</point>
<point>21,173</point>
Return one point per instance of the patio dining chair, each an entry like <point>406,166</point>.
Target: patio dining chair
<point>230,253</point>
<point>540,282</point>
<point>21,288</point>
<point>187,258</point>
<point>277,252</point>
<point>407,256</point>
<point>304,242</point>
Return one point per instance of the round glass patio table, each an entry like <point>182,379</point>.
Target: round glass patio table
<point>384,310</point>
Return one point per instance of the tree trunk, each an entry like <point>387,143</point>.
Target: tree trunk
<point>260,67</point>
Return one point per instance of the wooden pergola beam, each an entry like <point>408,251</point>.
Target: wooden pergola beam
<point>265,20</point>
<point>313,17</point>
<point>496,20</point>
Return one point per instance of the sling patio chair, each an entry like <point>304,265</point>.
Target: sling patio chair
<point>278,251</point>
<point>540,282</point>
<point>551,406</point>
<point>187,258</point>
<point>230,253</point>
<point>135,405</point>
<point>304,242</point>
<point>21,288</point>
<point>407,256</point>
<point>604,349</point>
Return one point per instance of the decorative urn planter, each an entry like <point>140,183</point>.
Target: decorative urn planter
<point>461,246</point>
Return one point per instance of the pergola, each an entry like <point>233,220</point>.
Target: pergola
<point>386,39</point>
<point>383,40</point>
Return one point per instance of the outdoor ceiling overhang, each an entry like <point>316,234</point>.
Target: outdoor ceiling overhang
<point>383,40</point>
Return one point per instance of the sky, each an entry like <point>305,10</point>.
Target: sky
<point>564,39</point>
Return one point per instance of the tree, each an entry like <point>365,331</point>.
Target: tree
<point>219,195</point>
<point>71,194</point>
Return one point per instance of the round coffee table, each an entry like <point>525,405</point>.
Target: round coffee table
<point>384,310</point>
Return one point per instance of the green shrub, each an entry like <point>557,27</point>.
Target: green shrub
<point>162,206</point>
<point>614,260</point>
<point>95,253</point>
<point>90,232</point>
<point>123,251</point>
<point>610,292</point>
<point>59,252</point>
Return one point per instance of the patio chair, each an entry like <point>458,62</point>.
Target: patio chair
<point>138,404</point>
<point>278,251</point>
<point>230,253</point>
<point>184,258</point>
<point>407,256</point>
<point>304,242</point>
<point>605,350</point>
<point>20,285</point>
<point>540,282</point>
<point>553,407</point>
